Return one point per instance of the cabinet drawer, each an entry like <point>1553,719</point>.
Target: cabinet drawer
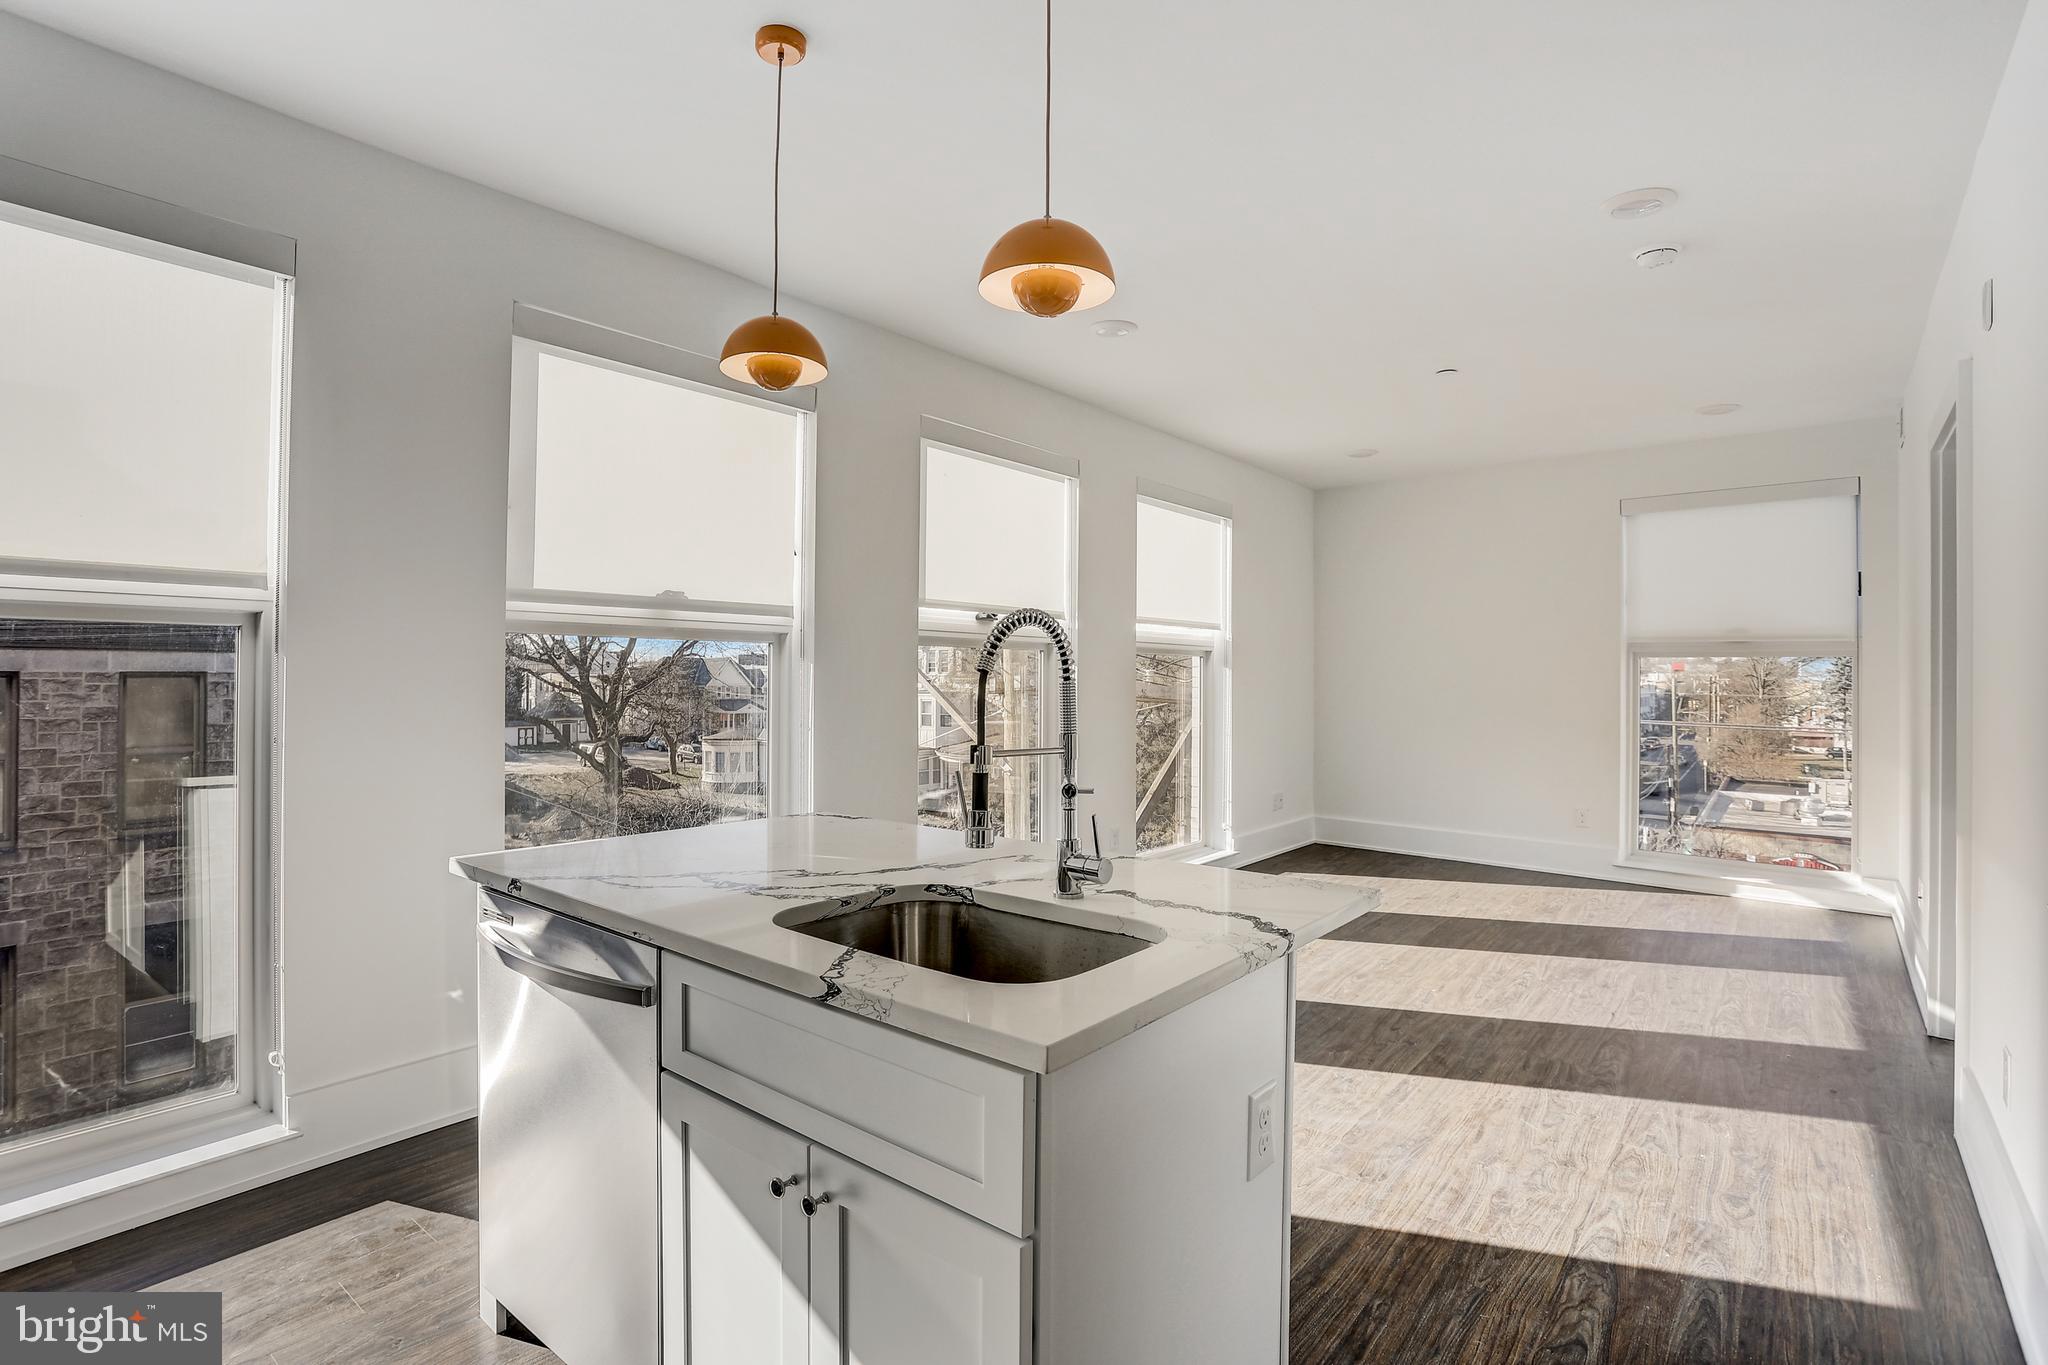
<point>957,1127</point>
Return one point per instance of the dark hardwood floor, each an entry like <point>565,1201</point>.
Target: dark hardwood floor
<point>1538,1119</point>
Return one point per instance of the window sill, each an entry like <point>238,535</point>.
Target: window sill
<point>1183,853</point>
<point>258,1131</point>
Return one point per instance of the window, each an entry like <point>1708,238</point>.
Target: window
<point>997,532</point>
<point>6,1032</point>
<point>130,865</point>
<point>655,575</point>
<point>8,743</point>
<point>140,447</point>
<point>1017,711</point>
<point>1748,758</point>
<point>1742,618</point>
<point>163,728</point>
<point>1183,595</point>
<point>191,356</point>
<point>997,535</point>
<point>1169,749</point>
<point>610,735</point>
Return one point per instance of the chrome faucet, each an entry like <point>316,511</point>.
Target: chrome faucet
<point>1075,868</point>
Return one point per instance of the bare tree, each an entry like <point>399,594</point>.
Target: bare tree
<point>677,705</point>
<point>601,675</point>
<point>1165,723</point>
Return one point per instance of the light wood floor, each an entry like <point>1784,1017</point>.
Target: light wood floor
<point>1538,1120</point>
<point>388,1284</point>
<point>1544,1119</point>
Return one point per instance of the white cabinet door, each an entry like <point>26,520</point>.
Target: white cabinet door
<point>735,1254</point>
<point>901,1279</point>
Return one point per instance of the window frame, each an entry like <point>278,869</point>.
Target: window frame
<point>180,1121</point>
<point>965,625</point>
<point>1634,650</point>
<point>49,200</point>
<point>785,633</point>
<point>1213,644</point>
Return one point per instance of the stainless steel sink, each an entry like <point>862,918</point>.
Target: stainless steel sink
<point>979,942</point>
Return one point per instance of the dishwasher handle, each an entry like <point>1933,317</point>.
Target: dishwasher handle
<point>562,977</point>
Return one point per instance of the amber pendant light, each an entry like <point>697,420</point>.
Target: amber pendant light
<point>1047,266</point>
<point>774,351</point>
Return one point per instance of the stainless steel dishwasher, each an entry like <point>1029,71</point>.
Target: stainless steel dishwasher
<point>568,1133</point>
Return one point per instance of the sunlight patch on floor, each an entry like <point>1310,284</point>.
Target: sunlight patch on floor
<point>1791,1202</point>
<point>1707,1002</point>
<point>1645,908</point>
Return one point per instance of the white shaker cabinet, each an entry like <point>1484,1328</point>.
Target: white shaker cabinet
<point>735,1241</point>
<point>899,1279</point>
<point>843,1265</point>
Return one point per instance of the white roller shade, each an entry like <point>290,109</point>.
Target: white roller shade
<point>1744,570</point>
<point>135,408</point>
<point>646,487</point>
<point>996,534</point>
<point>1182,566</point>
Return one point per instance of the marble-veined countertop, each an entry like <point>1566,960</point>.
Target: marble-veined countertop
<point>712,893</point>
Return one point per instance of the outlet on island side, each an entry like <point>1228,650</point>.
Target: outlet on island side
<point>1279,800</point>
<point>1582,817</point>
<point>1260,1130</point>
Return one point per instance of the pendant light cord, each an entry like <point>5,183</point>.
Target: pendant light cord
<point>1048,108</point>
<point>775,199</point>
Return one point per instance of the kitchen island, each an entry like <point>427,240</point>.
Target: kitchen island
<point>901,1102</point>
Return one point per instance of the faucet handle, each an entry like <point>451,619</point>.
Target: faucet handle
<point>975,825</point>
<point>1095,833</point>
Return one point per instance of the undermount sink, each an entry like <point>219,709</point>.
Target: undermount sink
<point>979,942</point>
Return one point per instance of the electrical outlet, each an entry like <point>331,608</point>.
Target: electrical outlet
<point>1261,1130</point>
<point>1112,840</point>
<point>1279,800</point>
<point>1582,818</point>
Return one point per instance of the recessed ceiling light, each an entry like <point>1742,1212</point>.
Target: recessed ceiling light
<point>1448,369</point>
<point>1717,409</point>
<point>1363,454</point>
<point>1115,327</point>
<point>1631,204</point>
<point>1657,257</point>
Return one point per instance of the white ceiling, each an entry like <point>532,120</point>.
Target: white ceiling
<point>1311,206</point>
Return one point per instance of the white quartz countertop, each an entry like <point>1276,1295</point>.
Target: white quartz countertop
<point>713,893</point>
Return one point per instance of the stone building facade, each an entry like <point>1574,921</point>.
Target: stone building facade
<point>116,741</point>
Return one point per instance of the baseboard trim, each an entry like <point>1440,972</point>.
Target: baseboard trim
<point>2018,1248</point>
<point>1256,845</point>
<point>1938,1019</point>
<point>331,1122</point>
<point>1574,860</point>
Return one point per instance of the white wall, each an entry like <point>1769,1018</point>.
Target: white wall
<point>399,470</point>
<point>2002,975</point>
<point>1469,698</point>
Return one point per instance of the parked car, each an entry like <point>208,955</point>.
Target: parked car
<point>655,744</point>
<point>1806,860</point>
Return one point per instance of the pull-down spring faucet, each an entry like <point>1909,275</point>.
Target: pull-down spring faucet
<point>1075,868</point>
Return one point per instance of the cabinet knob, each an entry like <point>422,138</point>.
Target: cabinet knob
<point>811,1206</point>
<point>783,1184</point>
